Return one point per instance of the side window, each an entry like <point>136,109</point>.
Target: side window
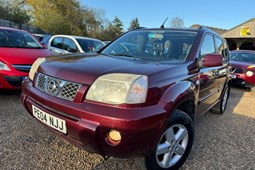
<point>69,45</point>
<point>57,42</point>
<point>207,46</point>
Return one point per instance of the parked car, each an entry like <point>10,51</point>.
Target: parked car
<point>135,102</point>
<point>43,38</point>
<point>243,67</point>
<point>18,50</point>
<point>63,44</point>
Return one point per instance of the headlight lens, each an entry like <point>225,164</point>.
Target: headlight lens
<point>3,66</point>
<point>34,67</point>
<point>118,88</point>
<point>249,73</point>
<point>251,66</point>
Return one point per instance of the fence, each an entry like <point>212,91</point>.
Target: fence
<point>29,28</point>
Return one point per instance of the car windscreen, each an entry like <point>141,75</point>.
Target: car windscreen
<point>89,45</point>
<point>18,39</point>
<point>160,45</point>
<point>242,57</point>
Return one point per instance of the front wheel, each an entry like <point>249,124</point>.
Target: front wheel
<point>174,144</point>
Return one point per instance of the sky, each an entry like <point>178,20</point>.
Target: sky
<point>223,14</point>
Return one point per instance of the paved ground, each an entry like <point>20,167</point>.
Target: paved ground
<point>222,141</point>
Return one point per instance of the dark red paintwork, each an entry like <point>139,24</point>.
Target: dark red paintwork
<point>241,77</point>
<point>171,86</point>
<point>17,56</point>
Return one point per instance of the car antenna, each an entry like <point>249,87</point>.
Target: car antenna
<point>162,26</point>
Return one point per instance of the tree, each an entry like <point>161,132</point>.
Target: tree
<point>65,17</point>
<point>14,10</point>
<point>117,26</point>
<point>177,22</point>
<point>134,24</point>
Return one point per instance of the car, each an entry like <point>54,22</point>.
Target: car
<point>138,101</point>
<point>64,44</point>
<point>243,68</point>
<point>43,38</point>
<point>18,50</point>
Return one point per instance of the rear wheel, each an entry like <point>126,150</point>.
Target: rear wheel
<point>174,144</point>
<point>221,106</point>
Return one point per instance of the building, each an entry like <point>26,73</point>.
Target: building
<point>240,37</point>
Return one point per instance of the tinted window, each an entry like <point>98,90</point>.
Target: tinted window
<point>243,57</point>
<point>207,46</point>
<point>57,42</point>
<point>160,45</point>
<point>89,45</point>
<point>69,45</point>
<point>17,39</point>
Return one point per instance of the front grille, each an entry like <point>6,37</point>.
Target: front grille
<point>57,87</point>
<point>236,70</point>
<point>22,68</point>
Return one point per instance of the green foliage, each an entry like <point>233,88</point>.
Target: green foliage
<point>13,10</point>
<point>134,24</point>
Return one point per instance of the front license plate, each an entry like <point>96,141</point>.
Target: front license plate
<point>50,120</point>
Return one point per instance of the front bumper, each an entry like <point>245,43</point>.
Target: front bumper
<point>88,123</point>
<point>11,79</point>
<point>243,80</point>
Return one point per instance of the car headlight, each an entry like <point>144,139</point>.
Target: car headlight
<point>34,67</point>
<point>119,88</point>
<point>249,73</point>
<point>3,66</point>
<point>251,66</point>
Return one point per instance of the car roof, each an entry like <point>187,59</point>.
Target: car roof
<point>200,29</point>
<point>76,37</point>
<point>13,29</point>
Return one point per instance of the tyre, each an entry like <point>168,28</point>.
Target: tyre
<point>221,106</point>
<point>174,144</point>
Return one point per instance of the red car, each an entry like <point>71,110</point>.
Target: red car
<point>243,67</point>
<point>132,100</point>
<point>18,51</point>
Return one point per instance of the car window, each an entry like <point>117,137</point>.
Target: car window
<point>207,46</point>
<point>243,57</point>
<point>161,45</point>
<point>88,45</point>
<point>18,39</point>
<point>221,49</point>
<point>69,45</point>
<point>57,42</point>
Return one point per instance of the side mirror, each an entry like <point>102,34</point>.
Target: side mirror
<point>212,60</point>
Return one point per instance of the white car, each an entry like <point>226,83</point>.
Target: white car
<point>63,44</point>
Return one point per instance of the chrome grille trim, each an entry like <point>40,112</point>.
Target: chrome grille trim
<point>22,68</point>
<point>56,87</point>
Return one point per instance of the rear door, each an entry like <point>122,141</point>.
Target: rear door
<point>208,78</point>
<point>222,49</point>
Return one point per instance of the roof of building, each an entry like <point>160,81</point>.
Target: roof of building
<point>243,30</point>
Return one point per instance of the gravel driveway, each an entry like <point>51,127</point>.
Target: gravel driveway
<point>221,141</point>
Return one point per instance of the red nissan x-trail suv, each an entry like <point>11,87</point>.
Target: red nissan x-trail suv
<point>18,50</point>
<point>138,96</point>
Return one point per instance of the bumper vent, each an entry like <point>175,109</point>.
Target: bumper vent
<point>57,87</point>
<point>22,68</point>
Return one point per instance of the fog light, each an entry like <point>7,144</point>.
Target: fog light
<point>249,73</point>
<point>113,137</point>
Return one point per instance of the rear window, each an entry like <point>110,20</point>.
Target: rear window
<point>162,45</point>
<point>17,39</point>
